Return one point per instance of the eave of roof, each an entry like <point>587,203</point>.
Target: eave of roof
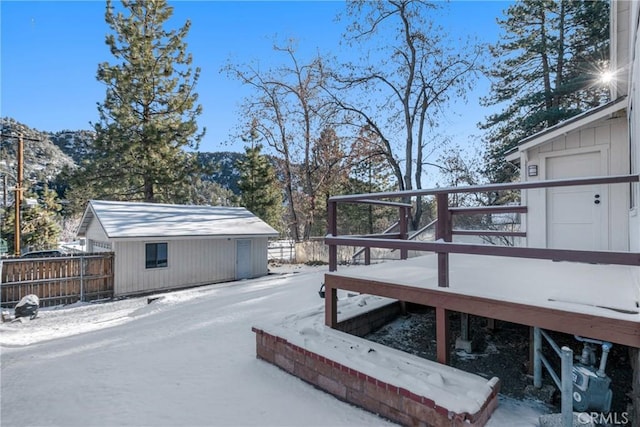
<point>567,126</point>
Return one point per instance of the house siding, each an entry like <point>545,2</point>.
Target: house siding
<point>259,249</point>
<point>634,125</point>
<point>610,139</point>
<point>190,262</point>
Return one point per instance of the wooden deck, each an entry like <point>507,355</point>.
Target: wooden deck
<point>595,301</point>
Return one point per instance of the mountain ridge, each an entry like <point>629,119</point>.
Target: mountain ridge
<point>46,154</point>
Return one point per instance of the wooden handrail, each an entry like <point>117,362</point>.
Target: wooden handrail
<point>444,228</point>
<point>598,257</point>
<point>616,179</point>
<point>494,233</point>
<point>488,209</point>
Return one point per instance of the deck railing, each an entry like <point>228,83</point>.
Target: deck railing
<point>443,245</point>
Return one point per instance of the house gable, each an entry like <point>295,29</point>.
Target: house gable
<point>585,121</point>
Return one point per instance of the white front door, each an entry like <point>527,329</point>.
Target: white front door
<point>244,262</point>
<point>577,217</point>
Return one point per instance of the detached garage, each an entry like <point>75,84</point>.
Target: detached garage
<point>160,246</point>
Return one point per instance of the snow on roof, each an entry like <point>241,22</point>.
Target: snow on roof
<point>566,126</point>
<point>132,219</point>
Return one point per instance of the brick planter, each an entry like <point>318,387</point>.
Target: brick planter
<point>350,385</point>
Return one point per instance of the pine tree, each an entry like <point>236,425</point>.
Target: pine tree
<point>546,69</point>
<point>39,224</point>
<point>149,114</point>
<point>260,192</point>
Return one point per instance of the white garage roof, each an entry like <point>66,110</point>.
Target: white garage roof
<point>131,220</point>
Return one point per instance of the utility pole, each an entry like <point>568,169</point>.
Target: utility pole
<point>18,196</point>
<point>19,188</point>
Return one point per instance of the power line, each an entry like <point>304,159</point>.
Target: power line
<point>4,135</point>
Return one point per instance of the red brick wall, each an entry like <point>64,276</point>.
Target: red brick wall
<point>368,322</point>
<point>394,403</point>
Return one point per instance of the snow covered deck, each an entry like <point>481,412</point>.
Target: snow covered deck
<point>596,301</point>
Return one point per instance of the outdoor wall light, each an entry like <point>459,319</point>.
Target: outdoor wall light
<point>532,170</point>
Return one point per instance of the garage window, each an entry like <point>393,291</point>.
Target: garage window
<point>156,255</point>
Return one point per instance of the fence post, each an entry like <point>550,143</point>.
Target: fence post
<point>443,232</point>
<point>81,277</point>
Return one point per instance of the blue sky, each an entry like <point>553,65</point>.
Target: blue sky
<point>50,52</point>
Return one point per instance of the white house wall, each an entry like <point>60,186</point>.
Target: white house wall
<point>190,262</point>
<point>634,123</point>
<point>610,139</point>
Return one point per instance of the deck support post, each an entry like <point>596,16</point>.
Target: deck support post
<point>443,232</point>
<point>442,335</point>
<point>330,306</point>
<point>367,256</point>
<point>403,308</point>
<point>463,342</point>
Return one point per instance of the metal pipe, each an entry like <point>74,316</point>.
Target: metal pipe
<point>552,343</point>
<point>537,363</point>
<point>567,387</point>
<point>606,346</point>
<point>553,374</point>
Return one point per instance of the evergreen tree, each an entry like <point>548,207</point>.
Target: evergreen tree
<point>149,114</point>
<point>546,69</point>
<point>260,192</point>
<point>39,224</point>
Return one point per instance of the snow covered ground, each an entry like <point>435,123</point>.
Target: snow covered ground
<point>186,359</point>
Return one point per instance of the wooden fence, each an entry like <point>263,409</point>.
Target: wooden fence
<point>57,280</point>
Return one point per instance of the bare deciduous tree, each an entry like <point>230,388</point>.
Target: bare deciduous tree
<point>292,115</point>
<point>400,87</point>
